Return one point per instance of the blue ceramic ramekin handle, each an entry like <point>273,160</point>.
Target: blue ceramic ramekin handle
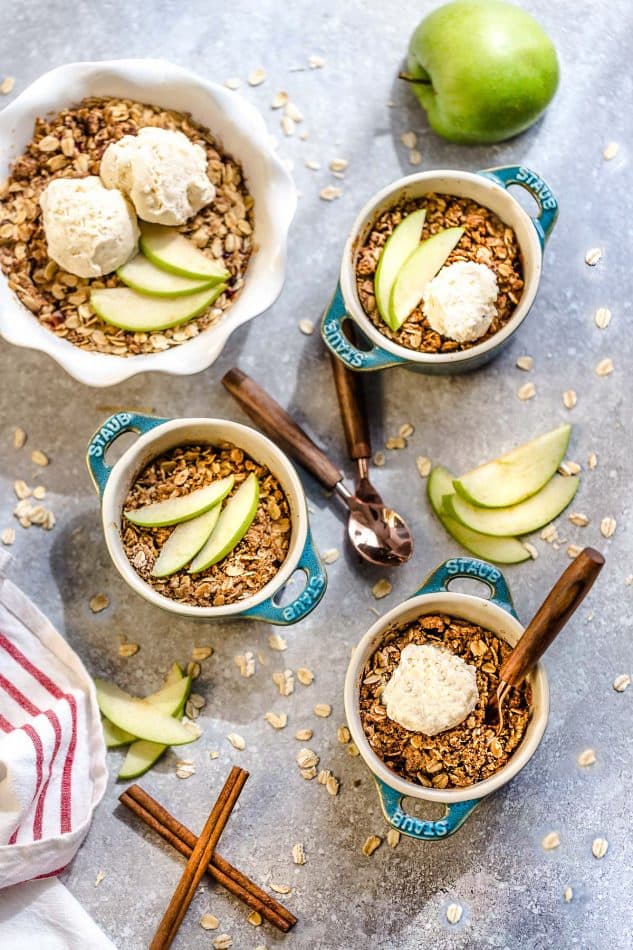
<point>419,828</point>
<point>540,191</point>
<point>441,577</point>
<point>110,430</point>
<point>316,582</point>
<point>336,341</point>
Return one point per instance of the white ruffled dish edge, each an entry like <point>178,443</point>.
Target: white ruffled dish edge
<point>241,131</point>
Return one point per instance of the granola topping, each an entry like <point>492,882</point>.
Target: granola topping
<point>487,240</point>
<point>467,753</point>
<point>70,145</point>
<point>250,565</point>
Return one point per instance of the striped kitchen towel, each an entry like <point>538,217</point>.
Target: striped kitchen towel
<point>52,755</point>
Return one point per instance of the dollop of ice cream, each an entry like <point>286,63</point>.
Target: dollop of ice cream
<point>431,690</point>
<point>90,230</point>
<point>459,302</point>
<point>162,172</point>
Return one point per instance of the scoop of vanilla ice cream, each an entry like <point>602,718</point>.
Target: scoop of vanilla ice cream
<point>162,172</point>
<point>90,230</point>
<point>431,690</point>
<point>459,302</point>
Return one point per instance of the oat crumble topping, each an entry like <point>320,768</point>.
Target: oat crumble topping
<point>458,757</point>
<point>70,145</point>
<point>250,565</point>
<point>487,240</point>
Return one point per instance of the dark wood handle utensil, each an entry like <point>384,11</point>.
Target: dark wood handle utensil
<point>280,427</point>
<point>351,402</point>
<point>564,598</point>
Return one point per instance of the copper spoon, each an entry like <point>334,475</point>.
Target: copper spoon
<point>372,536</point>
<point>564,598</point>
<point>394,527</point>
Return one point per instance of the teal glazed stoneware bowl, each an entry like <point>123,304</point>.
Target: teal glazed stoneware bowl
<point>495,613</point>
<point>157,436</point>
<point>490,189</point>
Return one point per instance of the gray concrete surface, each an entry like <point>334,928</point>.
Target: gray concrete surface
<point>511,890</point>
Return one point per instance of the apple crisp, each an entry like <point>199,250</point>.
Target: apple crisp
<point>486,240</point>
<point>70,145</point>
<point>467,753</point>
<point>251,564</point>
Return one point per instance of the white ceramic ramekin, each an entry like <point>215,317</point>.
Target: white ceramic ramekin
<point>158,436</point>
<point>495,613</point>
<point>242,132</point>
<point>488,188</point>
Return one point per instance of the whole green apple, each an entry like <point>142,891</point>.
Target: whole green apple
<point>484,70</point>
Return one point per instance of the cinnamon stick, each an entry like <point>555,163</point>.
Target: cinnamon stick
<point>152,814</point>
<point>199,859</point>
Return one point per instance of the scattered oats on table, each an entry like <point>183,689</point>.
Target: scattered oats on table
<point>454,913</point>
<point>276,720</point>
<point>330,193</point>
<point>611,149</point>
<point>98,603</point>
<point>343,735</point>
<point>423,465</point>
<point>284,681</point>
<point>372,843</point>
<point>379,459</point>
<point>607,527</point>
<point>193,670</point>
<point>382,588</point>
<point>604,367</point>
<point>568,895</point>
<point>255,918</point>
<point>281,888</point>
<point>201,653</point>
<point>599,847</point>
<point>21,489</point>
<point>338,165</point>
<point>313,165</point>
<point>602,318</point>
<point>323,710</point>
<point>298,853</point>
<point>592,461</point>
<point>236,741</point>
<point>569,468</point>
<point>393,838</point>
<point>39,492</point>
<point>306,327</point>
<point>409,139</point>
<point>99,878</point>
<point>415,157</point>
<point>621,682</point>
<point>323,776</point>
<point>277,642</point>
<point>293,112</point>
<point>279,100</point>
<point>209,922</point>
<point>352,749</point>
<point>573,550</point>
<point>185,768</point>
<point>579,519</point>
<point>570,398</point>
<point>593,256</point>
<point>332,785</point>
<point>331,555</point>
<point>525,363</point>
<point>303,735</point>
<point>307,759</point>
<point>223,942</point>
<point>245,663</point>
<point>233,82</point>
<point>305,676</point>
<point>287,125</point>
<point>527,391</point>
<point>256,77</point>
<point>316,62</point>
<point>39,458</point>
<point>550,841</point>
<point>395,443</point>
<point>587,757</point>
<point>8,536</point>
<point>19,438</point>
<point>128,649</point>
<point>6,86</point>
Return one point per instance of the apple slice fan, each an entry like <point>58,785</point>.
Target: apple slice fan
<point>52,770</point>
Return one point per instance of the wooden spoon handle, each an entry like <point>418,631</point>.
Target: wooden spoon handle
<point>352,405</point>
<point>280,427</point>
<point>565,596</point>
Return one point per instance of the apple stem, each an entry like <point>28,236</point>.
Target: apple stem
<point>414,79</point>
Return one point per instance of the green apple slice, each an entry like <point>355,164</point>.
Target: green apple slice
<point>141,717</point>
<point>175,673</point>
<point>399,246</point>
<point>499,550</point>
<point>183,508</point>
<point>125,308</point>
<point>232,525</point>
<point>417,271</point>
<point>527,516</point>
<point>168,249</point>
<point>184,543</point>
<point>142,754</point>
<point>115,737</point>
<point>141,275</point>
<point>517,475</point>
